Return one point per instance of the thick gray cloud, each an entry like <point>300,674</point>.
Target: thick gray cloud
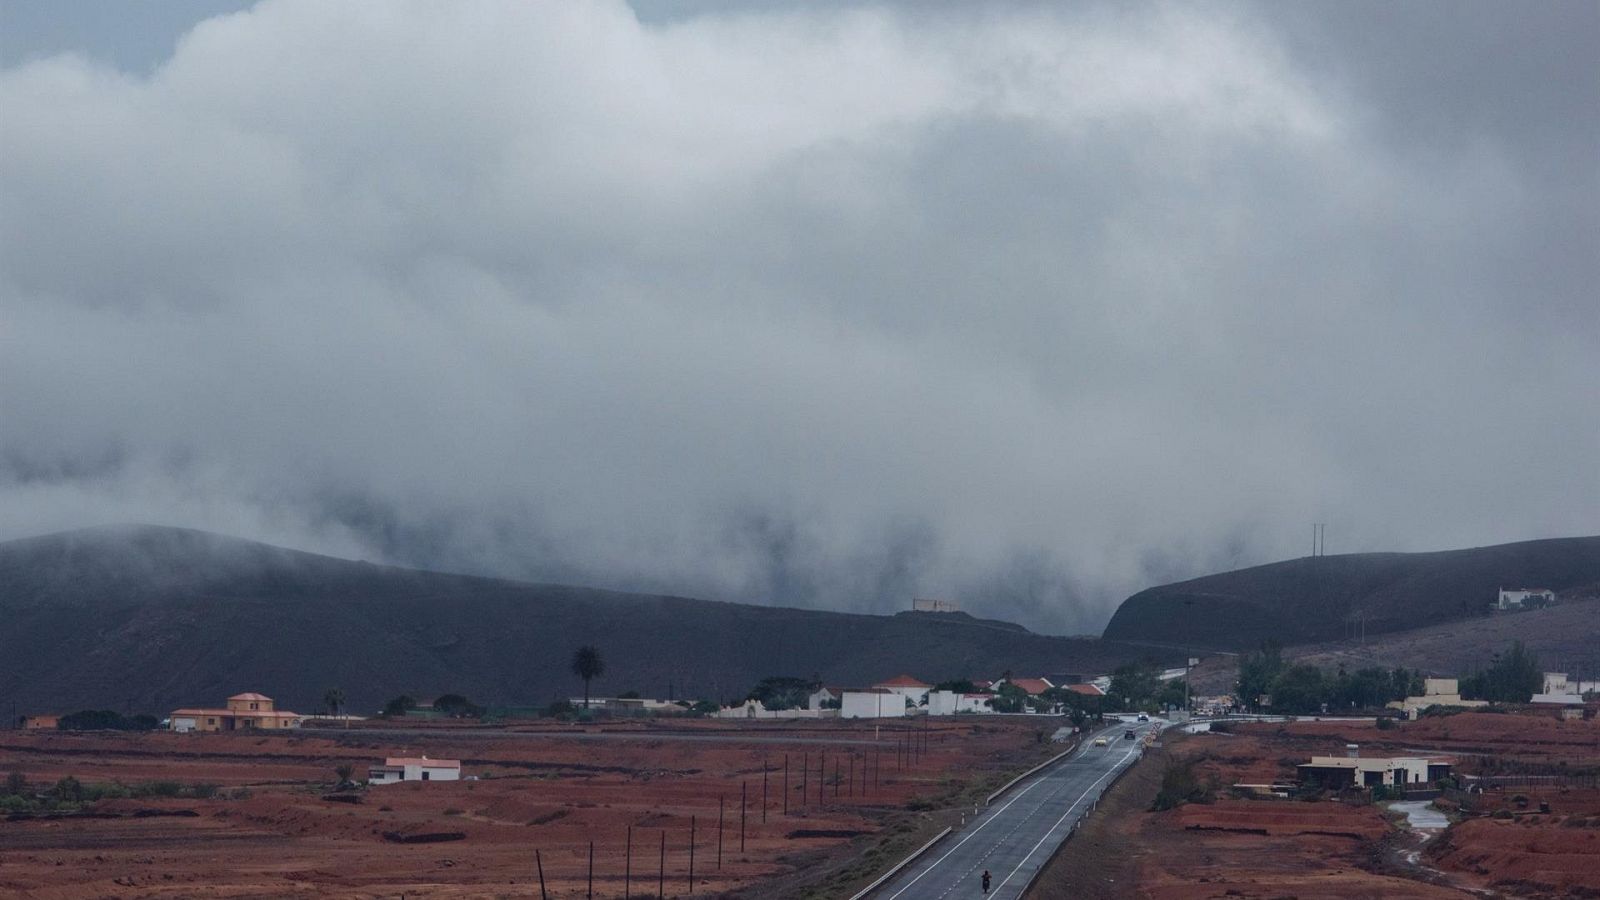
<point>1029,307</point>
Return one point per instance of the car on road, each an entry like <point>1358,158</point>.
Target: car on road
<point>1143,717</point>
<point>1101,742</point>
<point>1128,735</point>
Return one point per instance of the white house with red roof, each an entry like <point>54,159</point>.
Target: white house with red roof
<point>1034,686</point>
<point>414,768</point>
<point>907,687</point>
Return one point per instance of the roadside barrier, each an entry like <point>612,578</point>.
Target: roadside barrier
<point>882,879</point>
<point>1041,766</point>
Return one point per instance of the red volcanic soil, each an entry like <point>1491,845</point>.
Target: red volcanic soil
<point>1534,854</point>
<point>1276,819</point>
<point>1235,847</point>
<point>272,831</point>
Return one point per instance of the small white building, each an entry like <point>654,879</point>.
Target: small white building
<point>824,694</point>
<point>418,768</point>
<point>949,703</point>
<point>1560,683</point>
<point>1522,598</point>
<point>872,703</point>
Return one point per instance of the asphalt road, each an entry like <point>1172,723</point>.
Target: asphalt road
<point>1014,838</point>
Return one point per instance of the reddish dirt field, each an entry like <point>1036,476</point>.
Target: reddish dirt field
<point>271,833</point>
<point>1531,854</point>
<point>1280,848</point>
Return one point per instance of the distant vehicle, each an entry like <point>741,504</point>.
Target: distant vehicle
<point>1101,742</point>
<point>1128,734</point>
<point>1143,717</point>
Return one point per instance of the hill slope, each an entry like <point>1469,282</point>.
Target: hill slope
<point>1566,638</point>
<point>150,618</point>
<point>1315,598</point>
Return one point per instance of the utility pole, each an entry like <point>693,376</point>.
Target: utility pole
<point>805,778</point>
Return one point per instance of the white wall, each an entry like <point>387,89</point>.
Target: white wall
<point>863,705</point>
<point>948,703</point>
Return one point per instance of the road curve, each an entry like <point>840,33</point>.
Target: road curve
<point>1014,837</point>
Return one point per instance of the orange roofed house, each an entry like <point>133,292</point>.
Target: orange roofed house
<point>245,712</point>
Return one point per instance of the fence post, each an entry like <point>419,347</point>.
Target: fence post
<point>786,784</point>
<point>540,860</point>
<point>763,790</point>
<point>741,816</point>
<point>719,832</point>
<point>691,854</point>
<point>627,871</point>
<point>661,872</point>
<point>590,894</point>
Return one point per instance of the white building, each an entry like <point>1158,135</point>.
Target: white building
<point>1522,598</point>
<point>824,694</point>
<point>1559,683</point>
<point>1353,769</point>
<point>873,703</point>
<point>948,703</point>
<point>1435,692</point>
<point>907,687</point>
<point>419,768</point>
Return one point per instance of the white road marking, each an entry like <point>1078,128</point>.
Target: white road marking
<point>1052,828</point>
<point>995,814</point>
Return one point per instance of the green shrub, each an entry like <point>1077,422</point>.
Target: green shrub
<point>156,789</point>
<point>68,790</point>
<point>1180,785</point>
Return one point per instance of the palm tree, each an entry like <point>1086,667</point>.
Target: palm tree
<point>588,665</point>
<point>334,699</point>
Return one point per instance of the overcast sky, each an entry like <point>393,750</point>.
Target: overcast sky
<point>1025,306</point>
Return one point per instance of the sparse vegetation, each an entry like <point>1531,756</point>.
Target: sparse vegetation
<point>458,707</point>
<point>783,692</point>
<point>1512,678</point>
<point>106,720</point>
<point>1180,785</point>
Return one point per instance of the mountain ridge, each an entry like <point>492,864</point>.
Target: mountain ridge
<point>154,617</point>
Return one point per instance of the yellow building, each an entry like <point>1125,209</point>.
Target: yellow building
<point>244,712</point>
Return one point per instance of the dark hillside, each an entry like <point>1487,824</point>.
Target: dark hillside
<point>1317,598</point>
<point>148,619</point>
